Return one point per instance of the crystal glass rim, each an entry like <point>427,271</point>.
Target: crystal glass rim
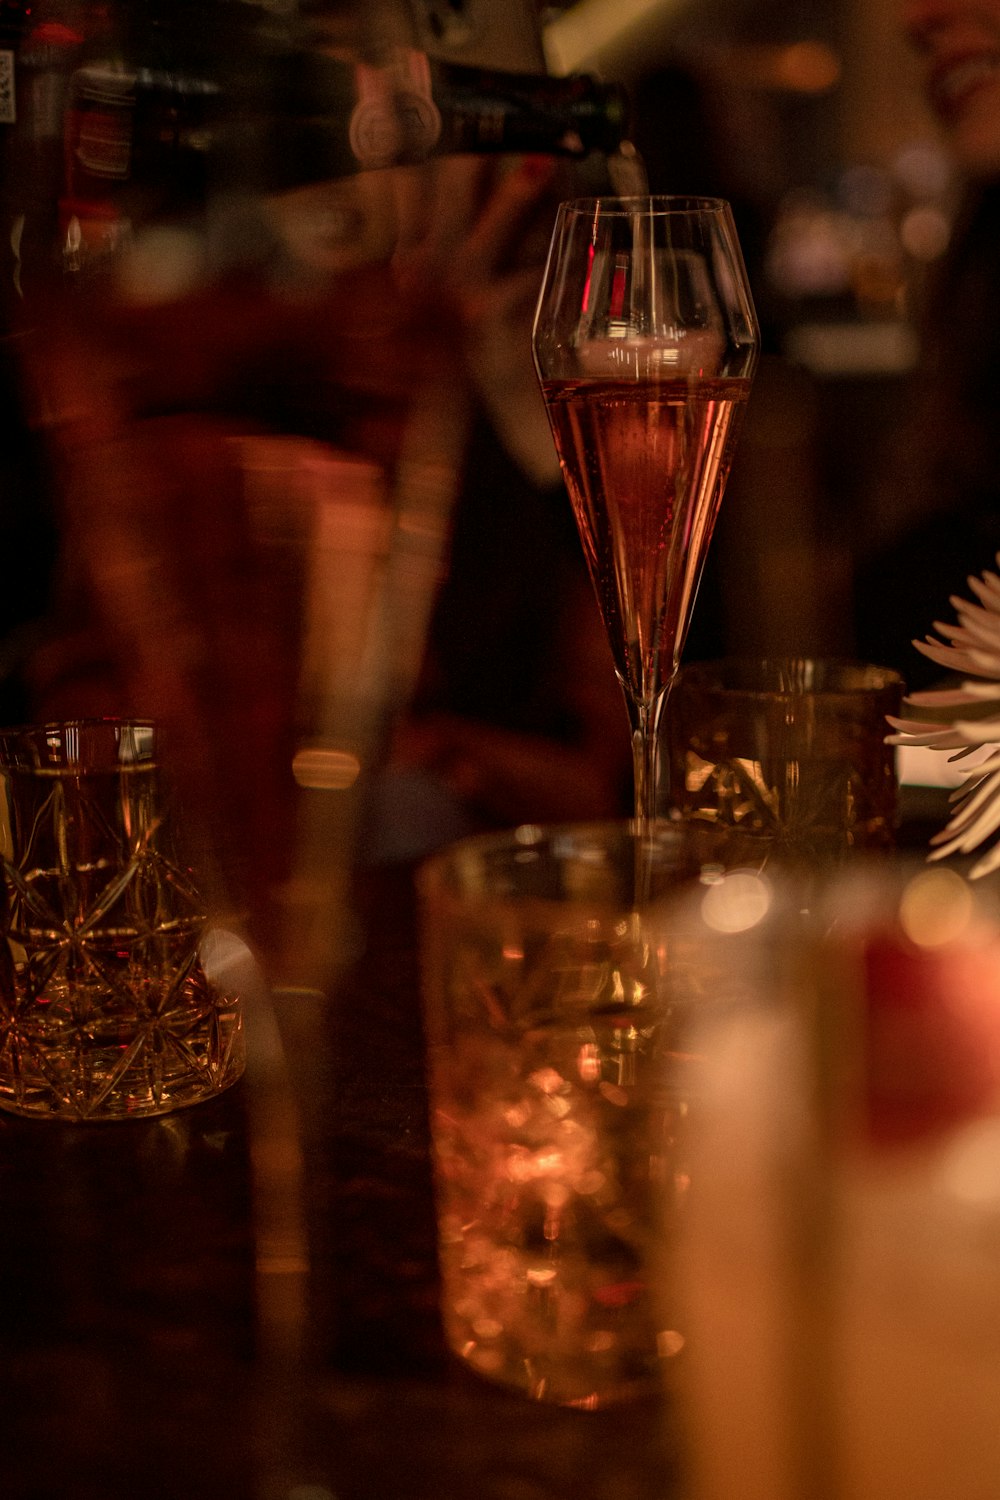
<point>443,879</point>
<point>111,728</point>
<point>835,677</point>
<point>652,205</point>
<point>535,836</point>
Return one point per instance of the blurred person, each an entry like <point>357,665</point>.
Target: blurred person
<point>517,714</point>
<point>958,42</point>
<point>936,508</point>
<point>182,576</point>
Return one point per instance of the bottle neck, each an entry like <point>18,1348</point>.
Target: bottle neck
<point>345,117</point>
<point>413,107</point>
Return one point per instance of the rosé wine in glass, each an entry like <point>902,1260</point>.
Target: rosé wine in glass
<point>645,344</point>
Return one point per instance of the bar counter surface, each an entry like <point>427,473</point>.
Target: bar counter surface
<point>240,1299</point>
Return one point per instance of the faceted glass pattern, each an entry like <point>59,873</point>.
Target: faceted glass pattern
<point>106,1011</point>
<point>558,1103</point>
<point>788,754</point>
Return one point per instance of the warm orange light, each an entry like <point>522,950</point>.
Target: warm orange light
<point>807,67</point>
<point>936,909</point>
<point>322,770</point>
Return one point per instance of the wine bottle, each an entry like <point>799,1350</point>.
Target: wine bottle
<point>165,106</point>
<point>10,31</point>
<point>306,116</point>
<point>411,107</point>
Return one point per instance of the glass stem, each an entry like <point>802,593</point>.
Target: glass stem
<point>645,722</point>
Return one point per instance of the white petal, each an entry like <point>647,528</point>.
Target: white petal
<point>985,866</point>
<point>976,821</point>
<point>973,797</point>
<point>983,691</point>
<point>960,662</point>
<point>987,589</point>
<point>982,767</point>
<point>951,697</point>
<point>932,736</point>
<point>978,731</point>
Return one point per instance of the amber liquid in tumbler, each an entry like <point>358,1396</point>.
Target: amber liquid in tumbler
<point>645,463</point>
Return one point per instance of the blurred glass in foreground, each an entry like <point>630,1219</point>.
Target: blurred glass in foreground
<point>839,1260</point>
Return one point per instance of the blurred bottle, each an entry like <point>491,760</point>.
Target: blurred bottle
<point>136,112</point>
<point>409,106</point>
<point>11,17</point>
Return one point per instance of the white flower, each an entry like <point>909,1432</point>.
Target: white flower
<point>965,719</point>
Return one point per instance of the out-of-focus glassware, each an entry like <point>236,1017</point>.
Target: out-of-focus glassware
<point>645,343</point>
<point>839,1253</point>
<point>107,1007</point>
<point>557,1124</point>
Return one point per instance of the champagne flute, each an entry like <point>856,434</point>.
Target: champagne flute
<point>645,341</point>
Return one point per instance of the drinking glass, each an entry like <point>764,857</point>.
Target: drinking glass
<point>113,1003</point>
<point>645,342</point>
<point>558,1103</point>
<point>786,754</point>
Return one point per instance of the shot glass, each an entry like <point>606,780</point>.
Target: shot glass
<point>106,1009</point>
<point>786,754</point>
<point>558,1128</point>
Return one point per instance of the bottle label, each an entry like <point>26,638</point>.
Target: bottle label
<point>8,113</point>
<point>99,123</point>
<point>395,119</point>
